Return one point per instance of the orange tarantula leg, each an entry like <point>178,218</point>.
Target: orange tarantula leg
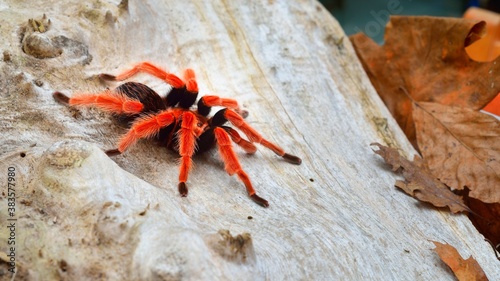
<point>107,100</point>
<point>187,145</point>
<point>254,136</point>
<point>243,143</point>
<point>190,78</point>
<point>148,68</point>
<point>143,128</point>
<point>233,166</point>
<point>206,102</point>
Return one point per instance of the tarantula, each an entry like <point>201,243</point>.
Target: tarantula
<point>176,123</point>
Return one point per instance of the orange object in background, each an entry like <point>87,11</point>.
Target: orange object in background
<point>494,106</point>
<point>488,47</point>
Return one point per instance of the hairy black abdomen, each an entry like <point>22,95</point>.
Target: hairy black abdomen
<point>152,102</point>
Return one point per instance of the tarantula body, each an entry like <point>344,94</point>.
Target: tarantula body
<point>152,104</point>
<point>176,123</point>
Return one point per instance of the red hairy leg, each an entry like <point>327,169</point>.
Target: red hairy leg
<point>190,78</point>
<point>243,143</point>
<point>212,100</point>
<point>143,128</point>
<point>254,136</point>
<point>233,166</point>
<point>148,68</point>
<point>107,100</point>
<point>187,145</point>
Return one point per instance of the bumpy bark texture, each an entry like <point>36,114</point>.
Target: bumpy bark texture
<point>84,216</point>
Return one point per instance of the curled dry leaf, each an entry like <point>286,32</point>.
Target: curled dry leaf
<point>495,248</point>
<point>426,57</point>
<point>461,147</point>
<point>465,270</point>
<point>419,181</point>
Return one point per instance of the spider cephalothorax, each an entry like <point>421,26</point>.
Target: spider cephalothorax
<point>175,124</point>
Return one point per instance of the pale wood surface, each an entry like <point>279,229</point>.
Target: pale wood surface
<point>336,216</point>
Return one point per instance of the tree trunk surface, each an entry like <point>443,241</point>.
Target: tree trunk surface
<point>81,215</point>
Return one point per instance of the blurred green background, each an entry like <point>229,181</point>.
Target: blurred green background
<point>371,17</point>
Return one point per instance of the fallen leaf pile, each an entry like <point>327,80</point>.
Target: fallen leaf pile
<point>424,59</point>
<point>435,92</point>
<point>465,270</point>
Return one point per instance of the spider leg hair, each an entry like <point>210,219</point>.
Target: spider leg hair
<point>190,78</point>
<point>148,68</point>
<point>107,101</point>
<point>233,166</point>
<point>254,136</point>
<point>187,145</point>
<point>249,147</point>
<point>145,127</point>
<point>206,102</point>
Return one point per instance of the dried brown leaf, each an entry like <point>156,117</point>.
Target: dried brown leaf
<point>465,270</point>
<point>487,220</point>
<point>461,147</point>
<point>426,57</point>
<point>419,182</point>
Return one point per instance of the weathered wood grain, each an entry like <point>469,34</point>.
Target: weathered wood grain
<point>336,216</point>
